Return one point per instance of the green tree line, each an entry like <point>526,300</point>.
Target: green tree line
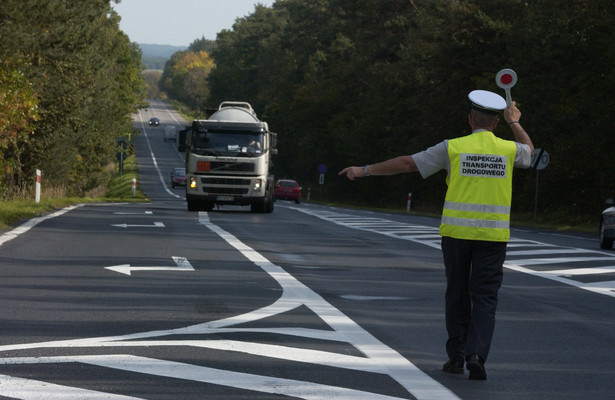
<point>69,80</point>
<point>349,83</point>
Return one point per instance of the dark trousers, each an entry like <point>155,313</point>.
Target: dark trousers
<point>474,276</point>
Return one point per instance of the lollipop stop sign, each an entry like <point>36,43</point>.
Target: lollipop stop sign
<point>506,79</point>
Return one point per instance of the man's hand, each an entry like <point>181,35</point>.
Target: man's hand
<point>512,113</point>
<point>353,172</point>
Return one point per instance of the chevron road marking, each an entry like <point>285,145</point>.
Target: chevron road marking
<point>429,236</point>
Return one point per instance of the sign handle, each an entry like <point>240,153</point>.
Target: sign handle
<point>508,96</point>
<point>506,79</point>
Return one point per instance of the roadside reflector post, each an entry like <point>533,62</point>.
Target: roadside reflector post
<point>37,195</point>
<point>134,187</point>
<point>409,202</point>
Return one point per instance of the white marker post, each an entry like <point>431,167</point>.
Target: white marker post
<point>134,187</point>
<point>37,194</point>
<point>506,79</point>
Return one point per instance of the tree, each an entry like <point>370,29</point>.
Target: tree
<point>18,105</point>
<point>85,75</point>
<point>185,77</point>
<point>356,82</point>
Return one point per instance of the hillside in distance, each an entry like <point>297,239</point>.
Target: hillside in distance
<point>156,55</point>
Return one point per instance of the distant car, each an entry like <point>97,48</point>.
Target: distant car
<point>607,226</point>
<point>178,177</point>
<point>154,121</point>
<point>287,189</point>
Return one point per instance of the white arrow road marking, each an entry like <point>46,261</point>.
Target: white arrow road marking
<point>28,389</point>
<point>183,265</point>
<point>156,225</point>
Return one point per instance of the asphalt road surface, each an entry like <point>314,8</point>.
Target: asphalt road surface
<point>150,301</point>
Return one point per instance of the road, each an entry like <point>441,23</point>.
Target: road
<point>150,301</point>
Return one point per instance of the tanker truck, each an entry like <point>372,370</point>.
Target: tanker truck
<point>229,160</point>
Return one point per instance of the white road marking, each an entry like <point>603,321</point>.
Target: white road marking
<point>429,236</point>
<point>378,358</point>
<point>156,225</point>
<point>177,370</point>
<point>151,152</point>
<point>29,389</point>
<point>296,294</point>
<point>26,226</point>
<point>183,265</point>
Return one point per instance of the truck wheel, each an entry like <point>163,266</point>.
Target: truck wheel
<point>269,204</point>
<point>193,205</point>
<point>605,242</point>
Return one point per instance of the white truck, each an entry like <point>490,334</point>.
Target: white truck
<point>229,160</point>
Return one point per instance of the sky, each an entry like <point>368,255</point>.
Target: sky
<point>180,22</point>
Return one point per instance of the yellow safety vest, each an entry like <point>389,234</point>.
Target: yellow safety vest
<point>477,203</point>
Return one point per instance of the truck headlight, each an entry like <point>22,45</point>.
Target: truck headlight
<point>192,182</point>
<point>258,184</point>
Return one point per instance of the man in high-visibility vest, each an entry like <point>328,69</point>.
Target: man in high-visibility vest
<point>475,221</point>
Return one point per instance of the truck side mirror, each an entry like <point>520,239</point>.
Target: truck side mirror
<point>189,138</point>
<point>274,143</point>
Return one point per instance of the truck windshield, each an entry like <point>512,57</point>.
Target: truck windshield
<point>228,143</point>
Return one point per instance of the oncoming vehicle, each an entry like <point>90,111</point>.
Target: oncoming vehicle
<point>178,177</point>
<point>607,225</point>
<point>287,189</point>
<point>170,133</point>
<point>229,159</point>
<point>154,121</point>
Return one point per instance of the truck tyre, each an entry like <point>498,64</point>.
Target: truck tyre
<point>269,203</point>
<point>605,242</point>
<point>193,205</point>
<point>269,207</point>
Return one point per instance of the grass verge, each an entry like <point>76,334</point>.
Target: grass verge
<point>119,190</point>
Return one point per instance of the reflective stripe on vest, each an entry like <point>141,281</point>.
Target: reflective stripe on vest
<point>478,198</point>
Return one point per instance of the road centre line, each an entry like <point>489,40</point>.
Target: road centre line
<point>151,152</point>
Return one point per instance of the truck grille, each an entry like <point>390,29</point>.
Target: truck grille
<point>225,181</point>
<point>229,166</point>
<point>225,190</point>
<point>214,186</point>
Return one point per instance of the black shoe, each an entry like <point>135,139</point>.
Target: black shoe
<point>453,366</point>
<point>476,366</point>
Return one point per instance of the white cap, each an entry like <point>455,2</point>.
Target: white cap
<point>486,101</point>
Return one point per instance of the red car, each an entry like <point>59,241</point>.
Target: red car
<point>287,189</point>
<point>178,177</point>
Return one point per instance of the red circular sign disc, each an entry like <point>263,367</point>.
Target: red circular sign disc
<point>506,79</point>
